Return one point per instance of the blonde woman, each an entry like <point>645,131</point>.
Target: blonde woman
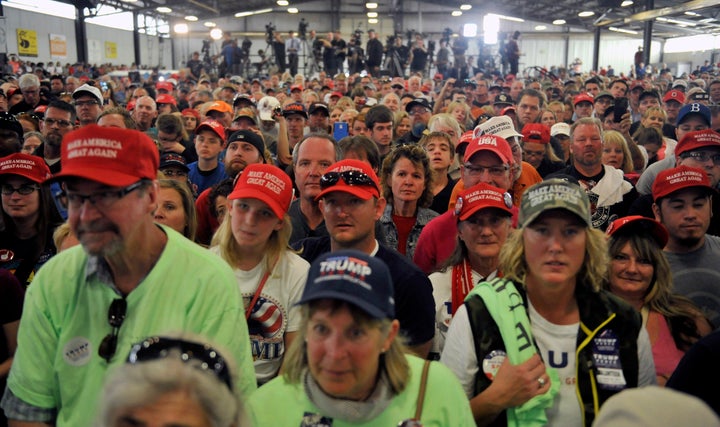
<point>253,239</point>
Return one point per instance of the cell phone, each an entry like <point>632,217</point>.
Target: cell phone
<point>340,130</point>
<point>619,109</point>
<point>104,86</point>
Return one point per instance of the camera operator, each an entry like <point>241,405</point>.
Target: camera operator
<point>316,45</point>
<point>355,53</point>
<point>418,55</point>
<point>195,66</point>
<point>279,49</point>
<point>374,50</point>
<point>442,60</point>
<point>340,47</point>
<point>329,62</point>
<point>292,47</point>
<point>459,66</point>
<point>396,56</point>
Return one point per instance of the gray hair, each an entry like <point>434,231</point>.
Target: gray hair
<point>142,383</point>
<point>28,80</point>
<point>321,135</point>
<point>446,120</point>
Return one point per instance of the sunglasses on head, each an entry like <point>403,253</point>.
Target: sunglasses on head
<point>201,356</point>
<point>350,177</point>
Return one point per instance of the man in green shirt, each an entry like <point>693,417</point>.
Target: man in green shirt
<point>130,279</point>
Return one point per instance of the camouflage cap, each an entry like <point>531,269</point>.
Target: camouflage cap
<point>553,194</point>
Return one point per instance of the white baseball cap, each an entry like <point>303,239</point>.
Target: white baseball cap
<point>266,106</point>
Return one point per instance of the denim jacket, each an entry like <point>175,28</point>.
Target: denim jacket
<point>423,216</point>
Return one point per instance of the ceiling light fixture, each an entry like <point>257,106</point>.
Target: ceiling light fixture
<point>465,6</point>
<point>456,13</point>
<point>293,10</point>
<point>559,22</point>
<point>181,28</point>
<point>540,27</point>
<point>622,30</point>
<point>586,13</point>
<point>282,3</point>
<point>209,24</point>
<point>627,3</point>
<point>163,9</point>
<point>372,21</point>
<point>372,15</point>
<point>252,12</point>
<point>371,5</point>
<point>191,18</point>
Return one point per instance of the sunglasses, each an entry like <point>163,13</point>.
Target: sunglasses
<point>116,316</point>
<point>205,357</point>
<point>351,177</point>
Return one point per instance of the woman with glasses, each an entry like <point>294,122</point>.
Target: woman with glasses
<point>29,216</point>
<point>640,274</point>
<point>253,238</point>
<point>484,220</point>
<point>544,344</point>
<point>406,179</point>
<point>171,381</point>
<point>348,365</point>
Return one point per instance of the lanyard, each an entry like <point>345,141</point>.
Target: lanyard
<point>259,289</point>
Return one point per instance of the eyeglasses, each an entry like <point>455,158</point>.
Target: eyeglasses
<point>116,316</point>
<point>87,103</point>
<point>418,111</point>
<point>474,170</point>
<point>209,359</point>
<point>61,123</point>
<point>101,199</point>
<point>25,189</point>
<point>170,173</point>
<point>703,157</point>
<point>351,177</point>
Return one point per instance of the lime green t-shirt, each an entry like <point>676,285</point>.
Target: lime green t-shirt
<point>445,403</point>
<point>65,318</point>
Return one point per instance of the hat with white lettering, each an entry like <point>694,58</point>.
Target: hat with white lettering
<point>482,196</point>
<point>266,183</point>
<point>552,194</point>
<point>33,168</point>
<point>501,126</point>
<point>492,143</point>
<point>679,178</point>
<point>353,277</point>
<point>108,155</point>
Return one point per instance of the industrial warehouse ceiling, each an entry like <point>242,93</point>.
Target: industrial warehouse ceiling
<point>670,18</point>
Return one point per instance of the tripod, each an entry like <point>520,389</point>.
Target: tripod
<point>310,62</point>
<point>392,64</point>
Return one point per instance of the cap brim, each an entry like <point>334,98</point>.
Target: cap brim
<point>552,206</point>
<point>472,211</point>
<point>266,116</point>
<point>359,191</point>
<point>344,296</point>
<point>250,193</point>
<point>175,164</point>
<point>103,176</point>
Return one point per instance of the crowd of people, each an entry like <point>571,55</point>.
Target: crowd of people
<point>488,250</point>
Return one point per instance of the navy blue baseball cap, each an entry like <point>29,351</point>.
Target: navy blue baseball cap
<point>354,277</point>
<point>694,108</point>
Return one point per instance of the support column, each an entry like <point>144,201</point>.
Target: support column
<point>596,49</point>
<point>81,36</point>
<point>136,39</point>
<point>647,33</point>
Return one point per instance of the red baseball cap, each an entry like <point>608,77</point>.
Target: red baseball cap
<point>164,86</point>
<point>635,223</point>
<point>350,176</point>
<point>336,94</point>
<point>583,97</point>
<point>164,98</point>
<point>536,132</point>
<point>191,112</point>
<point>214,126</point>
<point>296,87</point>
<point>674,95</point>
<point>482,196</point>
<point>669,181</point>
<point>492,143</point>
<point>33,168</point>
<point>706,138</point>
<point>108,155</point>
<point>465,138</point>
<point>266,183</point>
<point>506,110</point>
<point>130,105</point>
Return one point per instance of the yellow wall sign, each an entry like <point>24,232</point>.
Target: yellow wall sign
<point>27,42</point>
<point>110,50</point>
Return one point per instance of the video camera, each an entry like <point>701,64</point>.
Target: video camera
<point>356,38</point>
<point>269,32</point>
<point>446,34</point>
<point>302,28</point>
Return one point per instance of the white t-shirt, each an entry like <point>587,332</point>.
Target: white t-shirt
<point>275,311</point>
<point>442,293</point>
<point>459,354</point>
